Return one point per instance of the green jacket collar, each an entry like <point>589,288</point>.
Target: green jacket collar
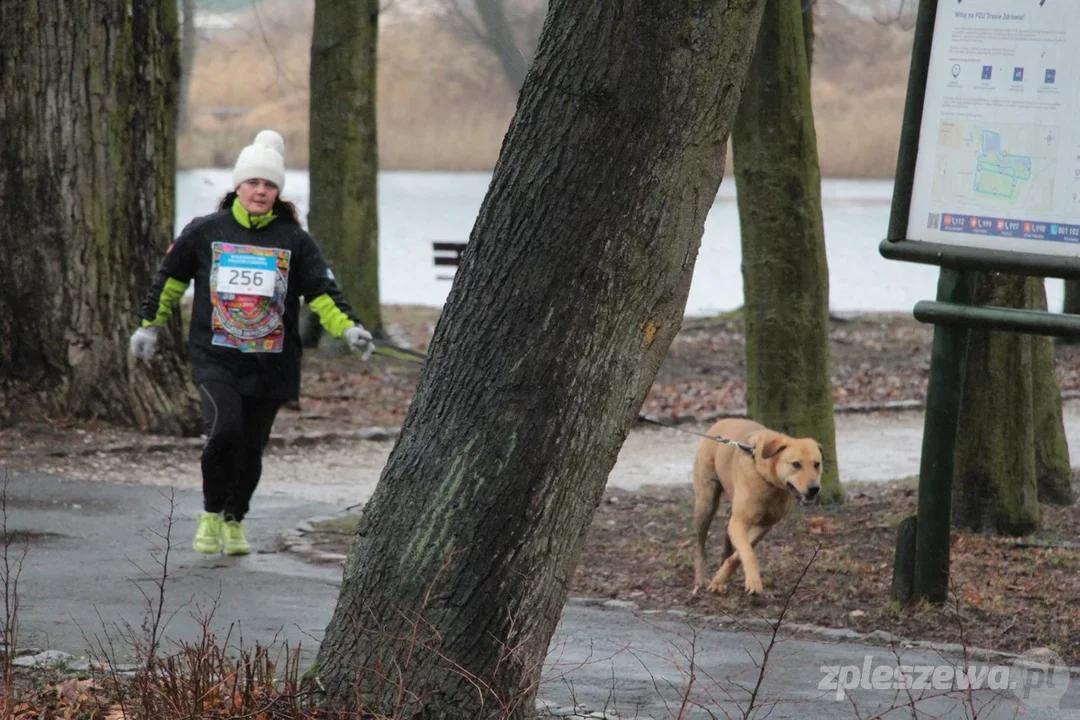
<point>252,222</point>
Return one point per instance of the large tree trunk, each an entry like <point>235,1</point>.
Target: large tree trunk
<point>995,477</point>
<point>87,175</point>
<point>570,291</point>
<point>187,64</point>
<point>1053,473</point>
<point>785,271</point>
<point>344,157</point>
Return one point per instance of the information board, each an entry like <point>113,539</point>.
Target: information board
<point>999,148</point>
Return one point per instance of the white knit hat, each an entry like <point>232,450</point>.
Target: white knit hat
<point>264,158</point>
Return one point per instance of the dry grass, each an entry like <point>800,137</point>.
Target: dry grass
<point>444,106</point>
<point>214,677</point>
<point>858,136</point>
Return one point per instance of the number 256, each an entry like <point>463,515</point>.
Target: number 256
<point>245,277</point>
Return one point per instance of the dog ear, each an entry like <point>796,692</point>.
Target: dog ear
<point>769,444</point>
<point>773,447</point>
<point>822,451</point>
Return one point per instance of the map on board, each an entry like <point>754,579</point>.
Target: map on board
<point>996,166</point>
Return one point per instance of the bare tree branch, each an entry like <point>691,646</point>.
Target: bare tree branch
<point>188,39</point>
<point>278,65</point>
<point>900,12</point>
<point>503,28</point>
<point>493,15</point>
<point>472,28</point>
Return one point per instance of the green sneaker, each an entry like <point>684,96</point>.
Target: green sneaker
<point>232,536</point>
<point>208,536</point>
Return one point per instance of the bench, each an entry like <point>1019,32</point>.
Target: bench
<point>447,253</point>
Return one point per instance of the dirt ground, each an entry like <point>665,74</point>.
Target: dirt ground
<point>1010,595</point>
<point>1007,595</point>
<point>876,359</point>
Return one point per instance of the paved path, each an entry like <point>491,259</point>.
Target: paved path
<point>871,448</point>
<point>89,541</point>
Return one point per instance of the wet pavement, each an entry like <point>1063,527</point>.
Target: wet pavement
<point>93,546</point>
<point>871,447</point>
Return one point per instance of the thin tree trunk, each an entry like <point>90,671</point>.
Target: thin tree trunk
<point>187,64</point>
<point>310,329</point>
<point>1071,305</point>
<point>1053,473</point>
<point>344,157</point>
<point>87,175</point>
<point>785,271</point>
<point>571,289</point>
<point>995,482</point>
<point>1072,297</point>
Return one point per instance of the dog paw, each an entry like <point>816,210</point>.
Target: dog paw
<point>718,587</point>
<point>753,586</point>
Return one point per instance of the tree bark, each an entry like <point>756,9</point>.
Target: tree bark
<point>1071,305</point>
<point>785,270</point>
<point>808,35</point>
<point>1072,297</point>
<point>1053,473</point>
<point>995,476</point>
<point>310,328</point>
<point>903,582</point>
<point>344,157</point>
<point>87,175</point>
<point>569,293</point>
<point>188,38</point>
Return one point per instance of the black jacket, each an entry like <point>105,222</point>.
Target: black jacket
<point>248,341</point>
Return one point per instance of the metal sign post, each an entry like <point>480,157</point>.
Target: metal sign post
<point>987,179</point>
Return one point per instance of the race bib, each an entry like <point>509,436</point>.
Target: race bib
<point>246,274</point>
<point>248,286</point>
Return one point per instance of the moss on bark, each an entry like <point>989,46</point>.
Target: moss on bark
<point>785,269</point>
<point>995,476</point>
<point>344,158</point>
<point>88,171</point>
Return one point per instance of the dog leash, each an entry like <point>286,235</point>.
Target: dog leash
<point>719,438</point>
<point>400,353</point>
<point>419,357</point>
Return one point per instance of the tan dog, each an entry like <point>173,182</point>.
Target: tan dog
<point>761,488</point>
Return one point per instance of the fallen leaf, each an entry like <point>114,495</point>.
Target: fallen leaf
<point>116,712</point>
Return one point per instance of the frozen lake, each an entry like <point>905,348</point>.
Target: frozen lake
<point>417,208</point>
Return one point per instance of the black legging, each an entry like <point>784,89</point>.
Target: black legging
<point>238,428</point>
